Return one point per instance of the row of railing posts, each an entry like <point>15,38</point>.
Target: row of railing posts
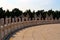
<point>9,25</point>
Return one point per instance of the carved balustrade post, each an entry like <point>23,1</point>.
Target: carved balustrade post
<point>19,24</point>
<point>9,20</point>
<point>2,22</point>
<point>29,21</point>
<point>6,21</point>
<point>13,26</point>
<point>2,33</point>
<point>59,20</point>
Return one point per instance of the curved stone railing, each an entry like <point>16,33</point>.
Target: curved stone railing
<point>9,27</point>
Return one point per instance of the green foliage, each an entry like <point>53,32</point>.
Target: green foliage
<point>40,13</point>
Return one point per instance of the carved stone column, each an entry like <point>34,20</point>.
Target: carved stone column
<point>19,19</point>
<point>1,21</point>
<point>12,20</point>
<point>16,19</point>
<point>9,19</point>
<point>22,19</point>
<point>6,20</point>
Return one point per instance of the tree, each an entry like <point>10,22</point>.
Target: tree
<point>7,13</point>
<point>39,12</point>
<point>57,14</point>
<point>1,13</point>
<point>33,14</point>
<point>51,12</point>
<point>29,13</point>
<point>16,12</point>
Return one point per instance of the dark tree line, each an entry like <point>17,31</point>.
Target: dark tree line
<point>18,13</point>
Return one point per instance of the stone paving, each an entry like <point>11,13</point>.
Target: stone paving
<point>42,32</point>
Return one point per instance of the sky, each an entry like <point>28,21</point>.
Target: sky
<point>30,4</point>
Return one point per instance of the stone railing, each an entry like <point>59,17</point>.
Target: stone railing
<point>9,25</point>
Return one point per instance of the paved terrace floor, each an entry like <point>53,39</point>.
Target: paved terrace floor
<point>42,32</point>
